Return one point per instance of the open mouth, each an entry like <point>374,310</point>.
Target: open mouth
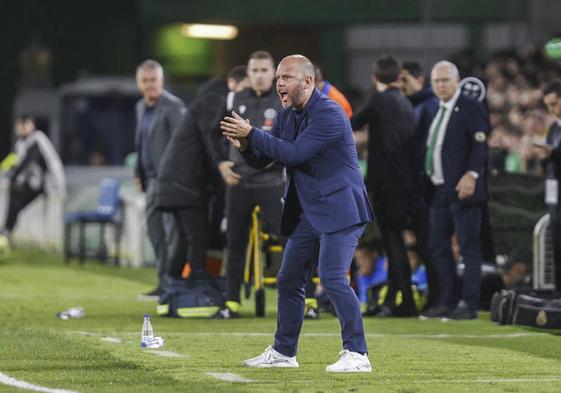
<point>283,96</point>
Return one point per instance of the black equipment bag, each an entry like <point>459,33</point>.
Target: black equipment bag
<point>542,310</point>
<point>501,306</point>
<point>190,299</point>
<point>537,312</point>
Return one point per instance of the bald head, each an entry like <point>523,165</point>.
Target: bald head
<point>301,63</point>
<point>295,81</point>
<point>445,79</point>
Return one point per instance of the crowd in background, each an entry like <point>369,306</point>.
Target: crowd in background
<point>518,117</point>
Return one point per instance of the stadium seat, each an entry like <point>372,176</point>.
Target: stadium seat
<point>108,211</point>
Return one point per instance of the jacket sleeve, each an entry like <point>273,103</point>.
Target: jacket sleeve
<point>555,156</point>
<point>478,129</point>
<point>138,172</point>
<point>325,127</point>
<point>33,154</point>
<point>174,114</point>
<point>255,157</point>
<point>362,114</point>
<point>212,109</point>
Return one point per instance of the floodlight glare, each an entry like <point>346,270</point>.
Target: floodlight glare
<point>213,32</point>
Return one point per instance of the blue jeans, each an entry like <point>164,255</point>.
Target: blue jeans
<point>333,252</point>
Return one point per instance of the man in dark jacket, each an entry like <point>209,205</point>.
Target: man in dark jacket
<point>158,113</point>
<point>551,154</point>
<point>424,103</point>
<point>456,153</point>
<point>183,184</point>
<point>260,104</point>
<point>391,122</point>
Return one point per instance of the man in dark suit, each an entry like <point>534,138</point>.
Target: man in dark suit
<point>324,213</point>
<point>389,179</point>
<point>424,103</point>
<point>550,153</point>
<point>455,159</point>
<point>158,113</point>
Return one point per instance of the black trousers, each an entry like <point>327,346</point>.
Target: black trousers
<point>19,198</point>
<point>420,224</point>
<point>240,202</point>
<point>191,225</point>
<point>391,207</point>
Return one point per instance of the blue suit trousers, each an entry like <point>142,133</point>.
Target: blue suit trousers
<point>333,253</point>
<point>448,215</point>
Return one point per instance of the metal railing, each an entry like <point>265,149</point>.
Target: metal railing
<point>544,270</point>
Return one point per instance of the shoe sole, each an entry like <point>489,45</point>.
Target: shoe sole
<point>350,371</point>
<point>273,365</point>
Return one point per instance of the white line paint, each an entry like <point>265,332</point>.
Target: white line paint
<point>230,377</point>
<point>114,340</point>
<point>166,354</point>
<point>7,380</point>
<point>440,336</point>
<point>489,380</point>
<point>373,335</point>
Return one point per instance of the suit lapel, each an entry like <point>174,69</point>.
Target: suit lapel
<point>159,111</point>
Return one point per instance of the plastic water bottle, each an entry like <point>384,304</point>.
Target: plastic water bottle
<point>147,332</point>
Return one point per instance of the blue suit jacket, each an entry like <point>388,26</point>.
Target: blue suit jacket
<point>317,147</point>
<point>465,147</point>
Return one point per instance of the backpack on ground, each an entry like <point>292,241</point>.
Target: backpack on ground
<point>190,299</point>
<point>529,308</point>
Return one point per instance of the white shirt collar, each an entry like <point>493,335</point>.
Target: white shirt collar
<point>451,102</point>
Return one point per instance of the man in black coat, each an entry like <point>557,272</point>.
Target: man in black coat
<point>391,123</point>
<point>183,184</point>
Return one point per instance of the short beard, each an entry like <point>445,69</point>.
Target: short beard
<point>298,97</point>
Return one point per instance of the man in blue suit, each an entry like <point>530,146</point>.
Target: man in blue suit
<point>456,152</point>
<point>324,214</point>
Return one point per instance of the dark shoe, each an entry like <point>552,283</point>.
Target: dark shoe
<point>384,312</point>
<point>462,312</point>
<point>152,295</point>
<point>435,312</point>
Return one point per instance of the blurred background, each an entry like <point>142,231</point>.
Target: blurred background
<point>71,64</point>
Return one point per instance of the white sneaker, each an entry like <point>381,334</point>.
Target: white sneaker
<point>271,358</point>
<point>350,362</point>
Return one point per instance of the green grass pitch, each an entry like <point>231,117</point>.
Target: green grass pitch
<point>101,353</point>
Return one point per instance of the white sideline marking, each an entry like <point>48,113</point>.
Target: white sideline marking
<point>230,377</point>
<point>374,335</point>
<point>6,380</point>
<point>370,335</point>
<point>166,354</point>
<point>112,340</point>
<point>490,380</point>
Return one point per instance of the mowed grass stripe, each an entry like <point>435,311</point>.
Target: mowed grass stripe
<point>37,347</point>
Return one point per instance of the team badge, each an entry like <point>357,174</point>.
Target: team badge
<point>270,113</point>
<point>242,109</point>
<point>473,88</point>
<point>541,319</point>
<point>480,136</point>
